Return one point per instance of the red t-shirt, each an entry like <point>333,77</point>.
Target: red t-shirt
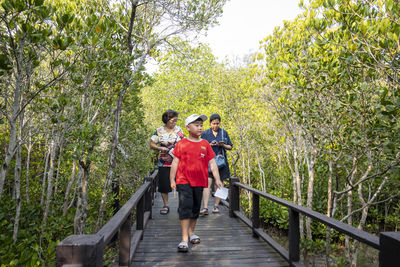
<point>193,162</point>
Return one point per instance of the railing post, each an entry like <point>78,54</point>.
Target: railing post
<point>140,215</point>
<point>233,196</point>
<point>125,241</point>
<point>148,196</point>
<point>255,219</point>
<point>294,236</point>
<point>84,250</point>
<point>389,249</point>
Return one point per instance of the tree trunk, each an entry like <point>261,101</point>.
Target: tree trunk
<point>330,178</point>
<point>50,175</point>
<point>45,175</point>
<point>12,145</point>
<point>82,204</point>
<point>17,181</point>
<point>331,207</point>
<point>249,195</point>
<point>9,155</point>
<point>28,160</point>
<point>296,179</point>
<point>332,199</point>
<point>78,212</point>
<point>262,174</point>
<point>311,159</point>
<point>349,221</point>
<point>112,158</point>
<point>347,244</point>
<point>60,145</point>
<point>69,186</point>
<point>364,212</point>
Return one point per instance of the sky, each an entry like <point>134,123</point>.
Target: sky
<point>244,23</point>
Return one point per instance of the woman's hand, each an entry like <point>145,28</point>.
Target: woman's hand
<point>213,143</point>
<point>164,149</point>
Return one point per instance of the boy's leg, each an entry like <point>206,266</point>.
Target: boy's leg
<point>185,209</point>
<point>192,225</point>
<point>189,208</point>
<point>197,199</point>
<point>185,228</point>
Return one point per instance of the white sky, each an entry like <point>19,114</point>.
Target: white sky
<point>245,23</point>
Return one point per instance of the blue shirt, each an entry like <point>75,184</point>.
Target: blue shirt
<point>222,135</point>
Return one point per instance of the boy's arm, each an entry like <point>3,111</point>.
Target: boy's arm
<point>215,172</point>
<point>172,174</point>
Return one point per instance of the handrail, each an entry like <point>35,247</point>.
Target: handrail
<point>87,250</point>
<point>112,226</point>
<point>387,243</point>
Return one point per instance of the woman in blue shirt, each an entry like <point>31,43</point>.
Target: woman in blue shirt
<point>220,142</point>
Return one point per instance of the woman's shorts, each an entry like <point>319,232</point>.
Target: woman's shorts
<point>164,185</point>
<point>189,201</point>
<point>223,173</point>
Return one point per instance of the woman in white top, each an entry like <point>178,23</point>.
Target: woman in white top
<point>164,140</point>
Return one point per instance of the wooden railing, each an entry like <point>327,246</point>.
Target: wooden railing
<point>388,243</point>
<point>87,250</point>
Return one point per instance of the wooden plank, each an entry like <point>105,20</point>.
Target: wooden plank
<point>225,241</point>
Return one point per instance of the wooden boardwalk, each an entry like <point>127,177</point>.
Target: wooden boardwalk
<point>225,241</point>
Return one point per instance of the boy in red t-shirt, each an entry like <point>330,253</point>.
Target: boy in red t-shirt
<point>193,155</point>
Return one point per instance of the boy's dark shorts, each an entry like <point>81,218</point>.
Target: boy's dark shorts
<point>189,201</point>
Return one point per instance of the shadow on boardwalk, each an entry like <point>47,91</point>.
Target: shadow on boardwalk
<point>225,241</point>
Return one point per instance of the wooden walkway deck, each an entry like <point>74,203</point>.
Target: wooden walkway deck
<point>225,241</point>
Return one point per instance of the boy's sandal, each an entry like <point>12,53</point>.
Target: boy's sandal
<point>216,209</point>
<point>183,247</point>
<point>194,239</point>
<point>164,210</point>
<point>204,211</point>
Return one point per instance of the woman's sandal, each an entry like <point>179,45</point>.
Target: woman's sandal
<point>164,210</point>
<point>204,211</point>
<point>215,210</point>
<point>183,247</point>
<point>194,239</point>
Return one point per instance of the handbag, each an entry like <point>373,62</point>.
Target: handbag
<point>167,156</point>
<point>220,158</point>
<point>220,161</point>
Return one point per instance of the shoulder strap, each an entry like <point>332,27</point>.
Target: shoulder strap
<point>223,149</point>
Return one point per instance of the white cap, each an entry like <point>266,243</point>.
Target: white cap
<point>194,117</point>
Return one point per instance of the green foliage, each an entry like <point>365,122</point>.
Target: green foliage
<point>313,245</point>
<point>326,80</point>
<point>36,245</point>
<point>66,67</point>
<point>274,214</point>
